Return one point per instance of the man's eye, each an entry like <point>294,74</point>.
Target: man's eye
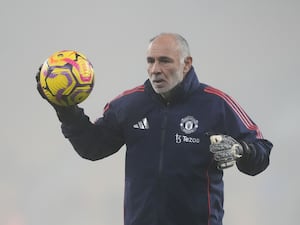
<point>165,60</point>
<point>150,60</point>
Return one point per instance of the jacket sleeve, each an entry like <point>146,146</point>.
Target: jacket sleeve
<point>256,158</point>
<point>239,125</point>
<point>91,141</point>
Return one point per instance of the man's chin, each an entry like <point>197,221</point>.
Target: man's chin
<point>161,91</point>
<point>164,94</point>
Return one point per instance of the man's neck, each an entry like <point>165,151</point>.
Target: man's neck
<point>167,96</point>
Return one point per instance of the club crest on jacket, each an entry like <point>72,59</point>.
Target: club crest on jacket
<point>189,124</point>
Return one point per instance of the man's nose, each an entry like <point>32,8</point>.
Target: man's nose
<point>155,68</point>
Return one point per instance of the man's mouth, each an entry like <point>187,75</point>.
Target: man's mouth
<point>158,81</point>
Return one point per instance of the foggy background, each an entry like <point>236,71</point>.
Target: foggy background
<point>248,49</point>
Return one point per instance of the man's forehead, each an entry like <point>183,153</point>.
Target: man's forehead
<point>163,47</point>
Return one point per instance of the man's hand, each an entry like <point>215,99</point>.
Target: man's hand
<point>226,150</point>
<point>38,84</point>
<point>41,92</point>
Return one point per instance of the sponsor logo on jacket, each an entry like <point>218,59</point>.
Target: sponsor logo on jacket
<point>186,139</point>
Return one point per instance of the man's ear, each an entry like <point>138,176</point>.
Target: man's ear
<point>188,61</point>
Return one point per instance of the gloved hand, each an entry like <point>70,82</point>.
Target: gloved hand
<point>40,89</point>
<point>64,113</point>
<point>226,150</point>
<point>38,84</point>
<point>42,94</point>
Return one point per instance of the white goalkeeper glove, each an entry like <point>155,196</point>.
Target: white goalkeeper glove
<point>226,150</point>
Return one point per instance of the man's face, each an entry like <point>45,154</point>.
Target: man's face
<point>165,67</point>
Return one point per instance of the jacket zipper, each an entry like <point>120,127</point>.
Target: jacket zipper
<point>160,208</point>
<point>162,142</point>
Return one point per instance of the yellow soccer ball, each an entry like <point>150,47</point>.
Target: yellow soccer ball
<point>67,78</point>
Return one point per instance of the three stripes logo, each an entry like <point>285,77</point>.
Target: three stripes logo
<point>143,124</point>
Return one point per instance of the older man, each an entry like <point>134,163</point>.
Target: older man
<point>179,134</point>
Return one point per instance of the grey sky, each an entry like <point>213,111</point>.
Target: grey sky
<point>249,49</point>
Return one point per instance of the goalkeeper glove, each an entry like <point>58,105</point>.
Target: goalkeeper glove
<point>63,112</point>
<point>226,150</point>
<point>39,86</point>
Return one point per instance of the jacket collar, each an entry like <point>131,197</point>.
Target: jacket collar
<point>189,84</point>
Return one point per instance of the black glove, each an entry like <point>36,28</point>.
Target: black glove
<point>64,113</point>
<point>226,150</point>
<point>39,86</point>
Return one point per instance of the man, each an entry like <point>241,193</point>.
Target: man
<point>179,135</point>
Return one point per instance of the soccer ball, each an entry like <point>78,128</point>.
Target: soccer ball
<point>67,78</point>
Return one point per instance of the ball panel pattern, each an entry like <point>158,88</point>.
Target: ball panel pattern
<point>67,78</point>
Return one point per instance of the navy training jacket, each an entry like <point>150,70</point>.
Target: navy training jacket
<point>170,175</point>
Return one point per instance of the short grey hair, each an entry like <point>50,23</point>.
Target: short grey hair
<point>182,43</point>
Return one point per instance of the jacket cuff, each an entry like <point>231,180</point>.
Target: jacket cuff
<point>248,150</point>
<point>68,114</point>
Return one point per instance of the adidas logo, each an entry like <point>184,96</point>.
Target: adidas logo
<point>143,124</point>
